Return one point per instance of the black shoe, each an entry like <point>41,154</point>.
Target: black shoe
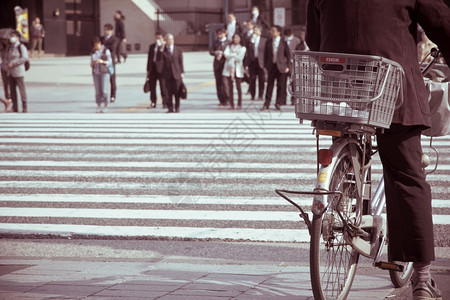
<point>170,111</point>
<point>113,98</point>
<point>277,107</point>
<point>24,110</point>
<point>13,111</point>
<point>260,98</point>
<point>153,105</point>
<point>177,110</point>
<point>265,107</point>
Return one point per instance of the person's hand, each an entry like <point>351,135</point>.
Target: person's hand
<point>182,75</point>
<point>287,70</point>
<point>10,65</point>
<point>124,40</point>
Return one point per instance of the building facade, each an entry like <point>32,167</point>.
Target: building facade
<point>70,25</point>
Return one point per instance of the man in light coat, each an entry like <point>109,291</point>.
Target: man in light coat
<point>15,62</point>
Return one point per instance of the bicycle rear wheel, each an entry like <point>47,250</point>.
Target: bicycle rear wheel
<point>333,261</point>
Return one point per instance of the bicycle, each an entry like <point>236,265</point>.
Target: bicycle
<point>348,97</point>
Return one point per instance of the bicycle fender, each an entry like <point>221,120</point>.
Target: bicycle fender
<point>320,202</point>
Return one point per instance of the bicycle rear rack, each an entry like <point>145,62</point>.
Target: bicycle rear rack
<point>303,214</point>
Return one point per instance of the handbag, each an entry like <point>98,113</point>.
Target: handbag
<point>183,91</point>
<point>439,101</point>
<point>147,86</point>
<point>103,69</point>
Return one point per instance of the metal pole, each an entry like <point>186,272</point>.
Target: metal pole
<point>226,8</point>
<point>157,20</point>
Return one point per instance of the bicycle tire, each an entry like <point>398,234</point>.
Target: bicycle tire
<point>333,262</point>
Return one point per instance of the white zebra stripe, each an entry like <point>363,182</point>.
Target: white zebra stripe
<point>164,199</point>
<point>228,215</point>
<point>216,163</point>
<point>251,234</point>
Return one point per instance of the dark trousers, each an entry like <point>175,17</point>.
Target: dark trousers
<point>408,195</point>
<point>5,79</point>
<point>281,78</point>
<point>221,95</point>
<point>256,73</point>
<point>172,90</point>
<point>14,83</point>
<point>112,80</point>
<point>153,79</point>
<point>228,87</point>
<point>120,51</point>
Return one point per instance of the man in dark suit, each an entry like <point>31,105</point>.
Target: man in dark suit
<point>388,28</point>
<point>219,61</point>
<point>293,43</point>
<point>154,69</point>
<point>277,57</point>
<point>171,57</point>
<point>260,21</point>
<point>290,39</point>
<point>255,56</point>
<point>232,27</point>
<point>110,43</point>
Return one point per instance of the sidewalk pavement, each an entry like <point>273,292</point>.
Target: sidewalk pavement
<point>152,269</point>
<point>166,279</point>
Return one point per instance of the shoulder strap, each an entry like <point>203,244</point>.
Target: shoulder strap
<point>20,50</point>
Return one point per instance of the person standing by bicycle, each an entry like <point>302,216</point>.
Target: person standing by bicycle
<point>388,28</point>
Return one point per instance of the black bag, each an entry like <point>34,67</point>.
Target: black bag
<point>103,69</point>
<point>183,91</point>
<point>27,63</point>
<point>147,86</point>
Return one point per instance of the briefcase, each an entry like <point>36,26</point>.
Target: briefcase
<point>183,91</point>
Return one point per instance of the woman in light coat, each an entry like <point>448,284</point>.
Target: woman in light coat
<point>234,69</point>
<point>102,69</point>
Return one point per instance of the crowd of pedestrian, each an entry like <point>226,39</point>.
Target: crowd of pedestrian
<point>253,53</point>
<point>257,53</point>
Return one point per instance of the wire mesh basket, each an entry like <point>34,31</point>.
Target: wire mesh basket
<point>347,88</point>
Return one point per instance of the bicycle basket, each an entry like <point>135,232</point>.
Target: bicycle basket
<point>347,88</point>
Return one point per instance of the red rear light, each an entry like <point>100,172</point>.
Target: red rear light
<point>325,156</point>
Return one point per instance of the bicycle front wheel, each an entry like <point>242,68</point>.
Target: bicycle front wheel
<point>399,279</point>
<point>333,261</point>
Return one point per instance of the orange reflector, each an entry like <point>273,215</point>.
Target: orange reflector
<point>329,132</point>
<point>325,156</point>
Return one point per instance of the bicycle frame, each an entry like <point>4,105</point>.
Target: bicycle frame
<point>367,245</point>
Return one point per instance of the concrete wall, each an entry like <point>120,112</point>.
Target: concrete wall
<point>186,4</point>
<point>139,28</point>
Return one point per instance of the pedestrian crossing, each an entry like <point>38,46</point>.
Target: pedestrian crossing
<point>177,176</point>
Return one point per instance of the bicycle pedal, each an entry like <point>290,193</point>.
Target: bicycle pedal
<point>388,266</point>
